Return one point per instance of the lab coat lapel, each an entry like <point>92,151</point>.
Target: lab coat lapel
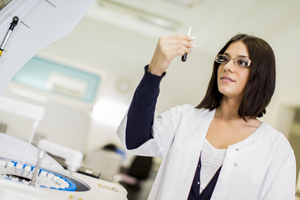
<point>225,173</point>
<point>184,155</point>
<point>230,164</point>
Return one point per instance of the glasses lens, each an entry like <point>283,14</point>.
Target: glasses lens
<point>242,62</point>
<point>222,58</point>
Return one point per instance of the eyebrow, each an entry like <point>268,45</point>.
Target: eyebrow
<point>227,54</point>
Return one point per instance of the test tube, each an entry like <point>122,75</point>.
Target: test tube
<point>183,58</point>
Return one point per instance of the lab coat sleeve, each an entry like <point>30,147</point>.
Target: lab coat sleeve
<point>283,173</point>
<point>163,131</point>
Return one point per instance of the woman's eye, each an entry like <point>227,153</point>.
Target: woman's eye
<point>242,63</point>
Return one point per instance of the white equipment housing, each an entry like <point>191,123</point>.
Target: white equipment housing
<point>41,22</point>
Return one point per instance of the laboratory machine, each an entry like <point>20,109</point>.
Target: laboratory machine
<point>28,172</point>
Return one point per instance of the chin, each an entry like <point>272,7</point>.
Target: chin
<point>225,91</point>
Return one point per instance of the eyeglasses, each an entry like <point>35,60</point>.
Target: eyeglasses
<point>238,61</point>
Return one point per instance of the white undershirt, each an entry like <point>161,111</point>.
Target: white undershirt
<point>211,160</point>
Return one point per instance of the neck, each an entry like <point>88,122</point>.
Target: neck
<point>228,110</point>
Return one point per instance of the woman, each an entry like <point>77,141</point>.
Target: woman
<point>218,150</point>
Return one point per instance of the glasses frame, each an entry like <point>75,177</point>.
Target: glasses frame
<point>233,59</point>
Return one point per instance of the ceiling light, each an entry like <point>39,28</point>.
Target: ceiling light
<point>142,15</point>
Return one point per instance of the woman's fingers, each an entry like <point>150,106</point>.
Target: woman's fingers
<point>173,51</point>
<point>169,52</point>
<point>167,45</point>
<point>185,41</point>
<point>172,47</point>
<point>185,37</point>
<point>167,49</point>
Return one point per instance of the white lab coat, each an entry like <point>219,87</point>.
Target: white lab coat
<point>261,167</point>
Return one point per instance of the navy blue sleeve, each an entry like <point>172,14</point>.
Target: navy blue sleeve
<point>141,111</point>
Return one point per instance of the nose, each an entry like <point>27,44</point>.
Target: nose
<point>230,66</point>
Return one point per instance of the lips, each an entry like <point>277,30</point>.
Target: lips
<point>227,79</point>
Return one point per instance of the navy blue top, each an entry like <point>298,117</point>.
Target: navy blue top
<point>140,119</point>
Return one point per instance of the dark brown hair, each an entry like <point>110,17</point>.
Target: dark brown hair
<point>261,82</point>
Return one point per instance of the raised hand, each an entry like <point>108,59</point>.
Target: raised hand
<point>169,47</point>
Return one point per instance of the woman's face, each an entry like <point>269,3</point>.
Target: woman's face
<point>232,79</point>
